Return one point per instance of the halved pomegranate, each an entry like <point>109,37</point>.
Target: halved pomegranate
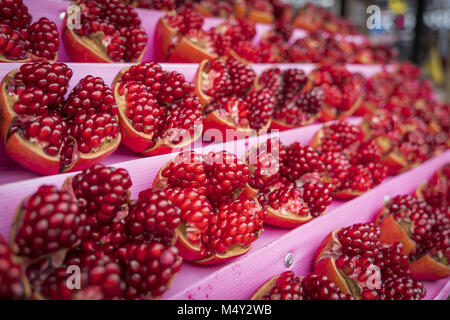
<point>47,134</point>
<point>355,260</point>
<point>211,8</point>
<point>14,284</point>
<point>430,260</point>
<point>405,219</point>
<point>307,18</point>
<point>264,162</point>
<point>124,249</point>
<point>218,78</point>
<point>109,31</point>
<point>353,167</point>
<point>157,110</point>
<point>424,232</point>
<point>342,91</point>
<point>179,38</point>
<point>287,286</point>
<point>294,106</point>
<point>286,182</point>
<point>23,41</point>
<point>255,10</point>
<point>232,109</point>
<point>215,225</point>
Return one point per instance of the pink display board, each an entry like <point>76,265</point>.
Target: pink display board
<point>55,9</point>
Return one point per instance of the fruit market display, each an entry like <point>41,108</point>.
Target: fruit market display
<point>23,41</point>
<point>406,121</point>
<point>109,31</point>
<point>48,132</point>
<point>313,146</point>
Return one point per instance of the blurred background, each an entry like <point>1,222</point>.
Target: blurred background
<point>417,29</point>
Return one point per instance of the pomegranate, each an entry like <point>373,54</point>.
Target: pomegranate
<point>286,182</point>
<point>263,161</point>
<point>405,219</point>
<point>213,8</point>
<point>436,191</point>
<point>341,89</point>
<point>23,41</point>
<point>109,31</point>
<point>214,227</point>
<point>48,134</point>
<point>179,38</point>
<point>218,78</point>
<point>47,223</point>
<point>157,110</point>
<point>352,166</point>
<point>13,283</point>
<point>287,286</point>
<point>355,260</point>
<point>149,268</point>
<point>235,110</point>
<point>255,10</point>
<point>294,106</point>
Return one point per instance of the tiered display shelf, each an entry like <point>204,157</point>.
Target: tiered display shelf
<point>239,278</point>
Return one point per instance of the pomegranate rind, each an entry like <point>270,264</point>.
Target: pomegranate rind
<point>86,160</point>
<point>346,194</point>
<point>213,122</point>
<point>325,246</point>
<point>7,114</point>
<point>31,156</point>
<point>419,190</point>
<point>240,9</point>
<point>395,163</point>
<point>79,50</point>
<point>324,264</point>
<point>84,49</point>
<point>391,232</point>
<point>273,218</point>
<point>204,98</point>
<point>6,60</point>
<point>260,16</point>
<point>428,269</point>
<point>187,51</point>
<point>232,253</point>
<point>164,35</point>
<point>264,288</point>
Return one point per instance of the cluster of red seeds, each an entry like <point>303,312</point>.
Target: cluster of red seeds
<point>124,248</point>
<point>351,164</point>
<point>159,103</point>
<point>22,40</point>
<point>87,117</point>
<point>123,36</point>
